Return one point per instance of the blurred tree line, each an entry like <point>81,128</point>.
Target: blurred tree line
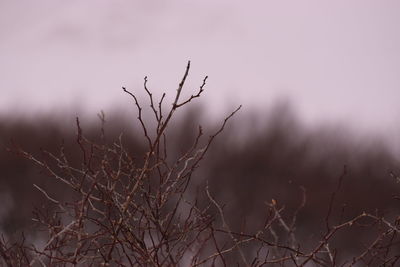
<point>257,159</point>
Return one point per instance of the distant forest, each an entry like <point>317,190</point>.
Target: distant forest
<point>257,160</point>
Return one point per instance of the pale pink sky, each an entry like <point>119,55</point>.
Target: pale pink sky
<point>334,60</point>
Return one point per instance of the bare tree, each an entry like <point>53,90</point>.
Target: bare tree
<point>139,210</point>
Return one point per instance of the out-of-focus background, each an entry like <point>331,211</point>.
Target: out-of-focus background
<point>319,83</point>
<point>334,61</point>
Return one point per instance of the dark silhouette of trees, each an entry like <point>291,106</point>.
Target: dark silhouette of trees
<point>278,196</point>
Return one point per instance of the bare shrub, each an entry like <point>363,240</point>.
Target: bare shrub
<point>140,210</point>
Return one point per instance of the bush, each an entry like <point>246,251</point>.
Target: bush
<point>144,209</point>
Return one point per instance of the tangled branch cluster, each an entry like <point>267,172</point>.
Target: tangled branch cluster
<point>136,210</point>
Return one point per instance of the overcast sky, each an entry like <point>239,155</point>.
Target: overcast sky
<point>333,60</point>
